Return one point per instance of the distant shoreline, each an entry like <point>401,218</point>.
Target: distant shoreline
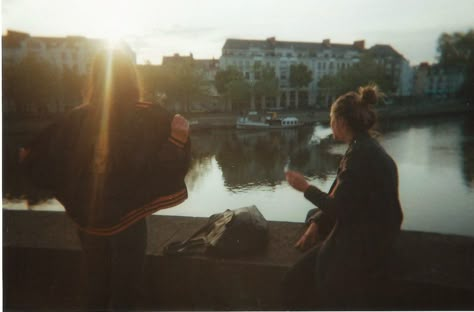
<point>18,125</point>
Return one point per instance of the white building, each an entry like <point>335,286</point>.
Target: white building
<point>72,52</point>
<point>322,59</point>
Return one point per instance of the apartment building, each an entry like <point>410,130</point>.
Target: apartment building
<point>396,66</point>
<point>322,58</point>
<point>437,81</point>
<point>72,52</point>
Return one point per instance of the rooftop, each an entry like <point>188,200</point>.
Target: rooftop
<point>272,43</point>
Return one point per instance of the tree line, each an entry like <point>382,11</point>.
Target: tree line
<point>34,85</point>
<point>457,49</point>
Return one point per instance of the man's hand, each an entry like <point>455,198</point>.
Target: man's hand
<point>297,180</point>
<point>309,238</point>
<point>180,128</point>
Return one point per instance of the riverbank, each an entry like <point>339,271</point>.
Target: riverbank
<point>18,125</point>
<point>310,117</point>
<point>42,269</point>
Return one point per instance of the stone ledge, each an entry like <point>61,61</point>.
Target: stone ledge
<point>42,267</point>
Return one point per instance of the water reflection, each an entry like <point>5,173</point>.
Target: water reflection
<point>467,150</point>
<point>258,158</point>
<point>15,187</point>
<point>231,169</point>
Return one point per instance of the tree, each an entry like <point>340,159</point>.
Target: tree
<point>223,77</point>
<point>350,79</point>
<point>70,87</point>
<point>183,82</point>
<point>300,77</point>
<point>238,92</point>
<point>457,49</point>
<point>151,77</point>
<point>32,84</point>
<point>231,83</point>
<point>266,83</point>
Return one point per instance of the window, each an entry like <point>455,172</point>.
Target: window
<point>257,75</point>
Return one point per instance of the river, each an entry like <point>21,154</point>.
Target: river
<point>236,168</point>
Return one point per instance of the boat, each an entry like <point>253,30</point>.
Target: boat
<point>253,120</point>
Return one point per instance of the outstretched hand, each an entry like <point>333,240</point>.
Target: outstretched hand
<point>180,128</point>
<point>297,180</point>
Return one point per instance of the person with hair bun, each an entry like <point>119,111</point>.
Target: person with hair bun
<point>354,227</point>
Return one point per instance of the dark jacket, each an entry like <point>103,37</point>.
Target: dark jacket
<point>108,182</point>
<point>364,209</point>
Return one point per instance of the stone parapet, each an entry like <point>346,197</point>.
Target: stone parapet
<point>41,265</point>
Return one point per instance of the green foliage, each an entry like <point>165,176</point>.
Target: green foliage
<point>238,92</point>
<point>33,85</point>
<point>300,76</point>
<point>268,84</point>
<point>231,83</point>
<point>457,49</point>
<point>151,80</point>
<point>181,82</point>
<point>364,72</point>
<point>224,77</point>
<point>72,85</point>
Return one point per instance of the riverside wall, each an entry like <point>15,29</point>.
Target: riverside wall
<point>42,268</point>
<point>14,125</point>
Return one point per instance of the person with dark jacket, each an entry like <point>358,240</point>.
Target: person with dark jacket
<point>112,162</point>
<point>355,224</point>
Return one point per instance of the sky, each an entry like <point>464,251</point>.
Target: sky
<point>155,28</point>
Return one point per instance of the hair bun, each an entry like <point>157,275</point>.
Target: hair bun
<point>369,95</point>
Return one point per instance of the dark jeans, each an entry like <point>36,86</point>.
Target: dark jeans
<point>304,289</point>
<point>299,284</point>
<point>113,268</point>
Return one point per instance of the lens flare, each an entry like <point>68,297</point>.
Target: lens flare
<point>101,152</point>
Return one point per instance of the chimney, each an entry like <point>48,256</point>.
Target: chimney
<point>424,66</point>
<point>327,42</point>
<point>360,44</point>
<point>271,41</point>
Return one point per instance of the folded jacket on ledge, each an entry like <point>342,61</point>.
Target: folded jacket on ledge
<point>110,170</point>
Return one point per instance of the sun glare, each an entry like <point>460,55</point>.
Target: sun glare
<point>112,20</point>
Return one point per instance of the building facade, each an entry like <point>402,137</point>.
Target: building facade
<point>396,66</point>
<point>74,53</point>
<point>205,71</point>
<point>437,81</point>
<point>324,58</point>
